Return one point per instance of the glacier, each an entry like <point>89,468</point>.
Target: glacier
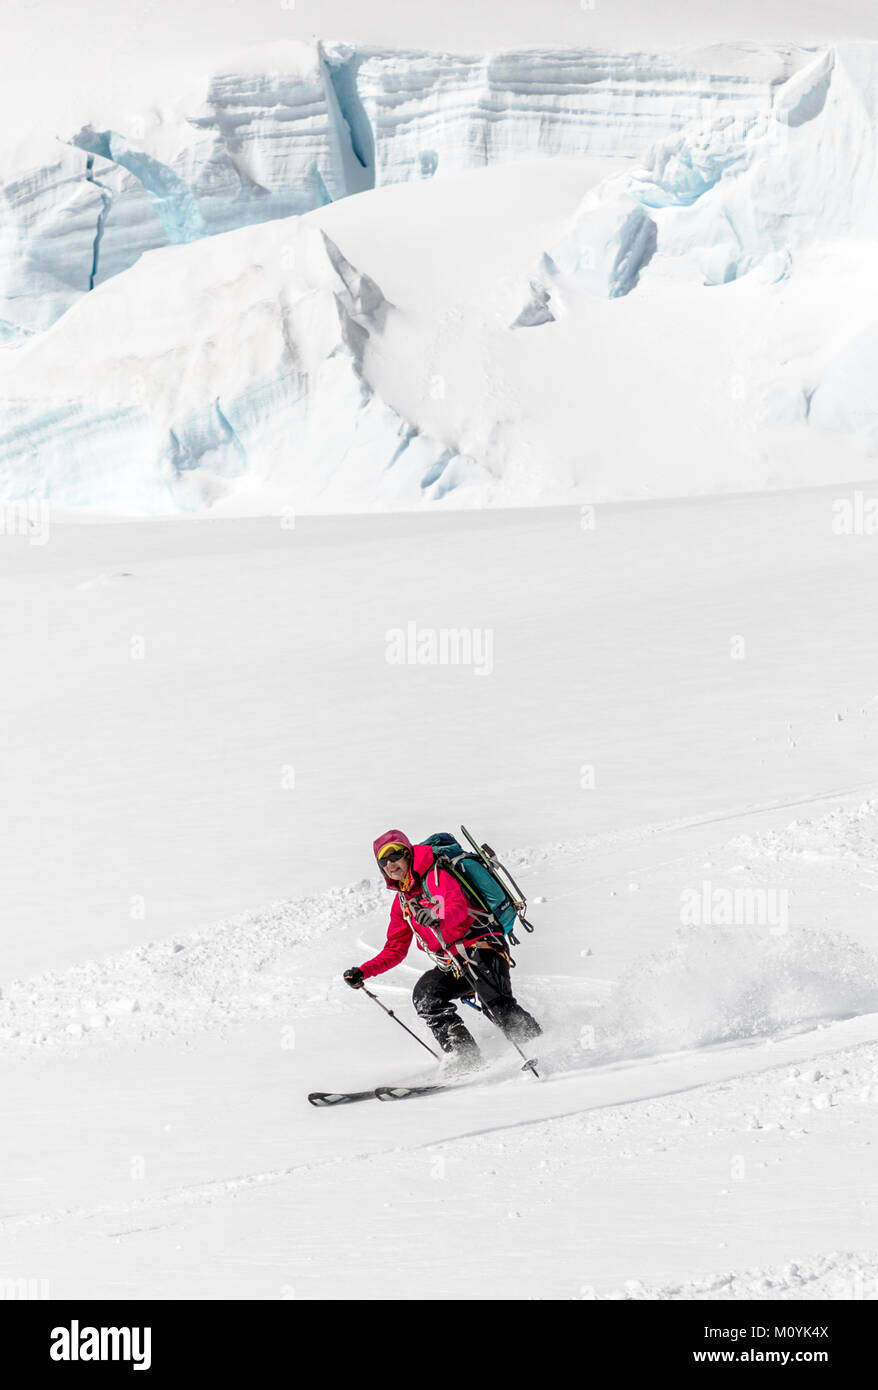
<point>530,331</point>
<point>731,193</point>
<point>609,241</point>
<point>298,126</point>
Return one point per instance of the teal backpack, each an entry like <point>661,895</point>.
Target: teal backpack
<point>478,874</point>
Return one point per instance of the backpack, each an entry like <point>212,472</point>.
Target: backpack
<point>478,877</point>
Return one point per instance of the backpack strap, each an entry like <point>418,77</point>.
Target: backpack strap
<point>425,887</point>
<point>444,963</point>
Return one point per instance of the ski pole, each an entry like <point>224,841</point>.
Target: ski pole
<point>529,1062</point>
<point>399,1021</point>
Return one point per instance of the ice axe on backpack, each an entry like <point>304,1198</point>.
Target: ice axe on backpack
<point>501,875</point>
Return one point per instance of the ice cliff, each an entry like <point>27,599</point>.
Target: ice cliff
<point>699,320</point>
<point>298,126</point>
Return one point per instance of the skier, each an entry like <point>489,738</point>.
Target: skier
<point>442,920</point>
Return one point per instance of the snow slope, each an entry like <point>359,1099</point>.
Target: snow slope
<point>753,686</point>
<point>733,1168</point>
<point>187,841</point>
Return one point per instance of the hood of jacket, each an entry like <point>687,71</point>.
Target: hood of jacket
<point>422,855</point>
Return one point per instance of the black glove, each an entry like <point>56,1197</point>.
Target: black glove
<point>426,916</point>
<point>355,977</point>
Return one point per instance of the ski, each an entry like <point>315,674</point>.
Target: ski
<point>330,1098</point>
<point>339,1097</point>
<point>406,1092</point>
<point>403,1092</point>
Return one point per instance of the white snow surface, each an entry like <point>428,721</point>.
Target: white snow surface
<point>188,824</point>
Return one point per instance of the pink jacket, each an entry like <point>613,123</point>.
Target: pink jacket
<point>456,919</point>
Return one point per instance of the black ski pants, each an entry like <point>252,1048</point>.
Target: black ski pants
<point>435,993</point>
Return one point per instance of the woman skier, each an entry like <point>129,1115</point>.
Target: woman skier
<point>439,916</point>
